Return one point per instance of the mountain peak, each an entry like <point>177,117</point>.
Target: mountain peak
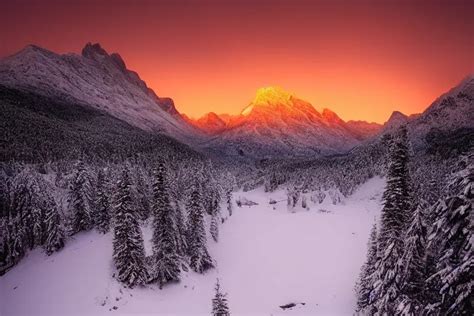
<point>210,123</point>
<point>273,98</point>
<point>91,50</point>
<point>271,95</point>
<point>397,116</point>
<point>331,116</point>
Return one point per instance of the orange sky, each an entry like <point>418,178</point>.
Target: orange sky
<point>362,59</point>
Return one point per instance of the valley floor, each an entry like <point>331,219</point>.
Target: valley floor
<point>266,257</point>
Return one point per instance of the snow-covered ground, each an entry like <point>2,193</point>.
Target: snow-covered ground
<point>266,257</point>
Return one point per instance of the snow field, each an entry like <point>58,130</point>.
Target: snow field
<point>265,258</point>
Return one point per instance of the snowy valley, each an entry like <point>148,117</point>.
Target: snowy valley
<point>268,255</point>
<point>113,202</point>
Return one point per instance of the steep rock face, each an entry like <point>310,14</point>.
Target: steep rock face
<point>277,123</point>
<point>97,79</point>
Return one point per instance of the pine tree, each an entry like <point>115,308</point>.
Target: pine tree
<point>54,231</point>
<point>214,227</point>
<point>165,236</point>
<point>19,220</point>
<point>143,196</point>
<point>365,284</point>
<point>80,199</point>
<point>101,212</point>
<point>15,239</point>
<point>452,239</point>
<point>397,203</point>
<point>215,219</point>
<point>181,242</point>
<point>129,250</point>
<point>412,274</point>
<point>200,260</point>
<point>28,205</point>
<point>219,303</point>
<point>229,202</point>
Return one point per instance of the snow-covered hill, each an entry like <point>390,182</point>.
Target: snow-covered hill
<point>266,257</point>
<point>97,79</point>
<point>278,123</point>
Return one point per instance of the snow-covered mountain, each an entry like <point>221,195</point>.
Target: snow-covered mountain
<point>278,123</point>
<point>364,129</point>
<point>275,123</point>
<point>210,123</point>
<point>97,79</point>
<point>450,112</point>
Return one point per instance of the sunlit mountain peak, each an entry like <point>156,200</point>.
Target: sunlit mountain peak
<point>269,96</point>
<point>274,95</point>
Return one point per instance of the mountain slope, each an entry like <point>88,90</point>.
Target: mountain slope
<point>452,111</point>
<point>97,79</point>
<point>363,128</point>
<point>37,128</point>
<point>278,123</point>
<point>450,114</point>
<point>210,123</point>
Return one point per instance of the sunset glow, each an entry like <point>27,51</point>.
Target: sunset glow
<point>360,59</point>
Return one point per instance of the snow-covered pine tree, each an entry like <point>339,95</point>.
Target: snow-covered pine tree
<point>20,222</point>
<point>101,211</point>
<point>304,203</point>
<point>15,240</point>
<point>143,195</point>
<point>219,302</point>
<point>365,284</point>
<point>166,260</point>
<point>229,201</point>
<point>215,219</point>
<point>214,227</point>
<point>200,260</point>
<point>54,231</point>
<point>129,250</point>
<point>28,199</point>
<point>181,242</point>
<point>452,239</point>
<point>397,203</point>
<point>80,199</point>
<point>37,213</point>
<point>413,272</point>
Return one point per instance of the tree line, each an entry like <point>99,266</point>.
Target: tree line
<point>420,256</point>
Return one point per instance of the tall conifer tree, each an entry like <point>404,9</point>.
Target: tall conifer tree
<point>397,203</point>
<point>452,241</point>
<point>200,260</point>
<point>166,261</point>
<point>365,285</point>
<point>413,272</point>
<point>101,212</point>
<point>129,250</point>
<point>54,231</point>
<point>80,199</point>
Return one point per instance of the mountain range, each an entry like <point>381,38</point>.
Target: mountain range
<point>275,124</point>
<point>97,79</point>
